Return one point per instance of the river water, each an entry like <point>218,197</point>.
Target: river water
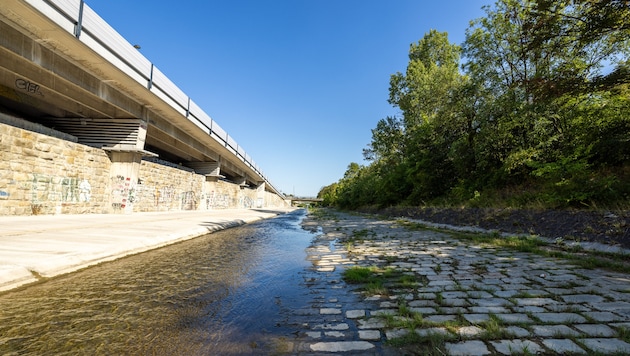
<point>220,294</point>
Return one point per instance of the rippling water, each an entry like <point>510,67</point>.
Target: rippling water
<point>222,293</point>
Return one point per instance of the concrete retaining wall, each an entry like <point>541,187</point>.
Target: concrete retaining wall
<point>42,174</point>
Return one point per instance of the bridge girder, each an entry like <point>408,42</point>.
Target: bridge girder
<point>46,73</point>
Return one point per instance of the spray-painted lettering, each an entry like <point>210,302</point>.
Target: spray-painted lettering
<point>28,86</point>
<point>59,189</point>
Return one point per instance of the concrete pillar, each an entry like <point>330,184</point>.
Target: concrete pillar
<point>260,194</point>
<point>212,170</point>
<point>124,140</point>
<point>241,181</point>
<point>124,178</point>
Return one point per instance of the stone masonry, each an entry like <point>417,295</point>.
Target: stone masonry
<point>41,174</point>
<point>44,174</point>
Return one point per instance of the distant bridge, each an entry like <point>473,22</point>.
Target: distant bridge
<point>304,200</point>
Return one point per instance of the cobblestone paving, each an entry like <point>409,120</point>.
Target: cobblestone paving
<point>476,300</point>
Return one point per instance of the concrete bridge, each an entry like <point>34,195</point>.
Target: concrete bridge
<point>64,72</point>
<point>301,200</point>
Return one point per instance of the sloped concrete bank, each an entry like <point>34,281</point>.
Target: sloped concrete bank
<point>39,247</point>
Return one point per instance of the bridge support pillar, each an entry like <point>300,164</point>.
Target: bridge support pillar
<point>212,170</point>
<point>124,178</point>
<point>260,193</point>
<point>241,181</point>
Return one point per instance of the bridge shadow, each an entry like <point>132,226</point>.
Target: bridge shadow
<point>273,211</point>
<point>217,226</point>
<point>213,226</point>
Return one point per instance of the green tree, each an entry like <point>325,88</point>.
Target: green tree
<point>543,102</point>
<point>387,141</point>
<point>540,62</point>
<point>423,94</point>
<point>329,194</point>
<point>431,73</point>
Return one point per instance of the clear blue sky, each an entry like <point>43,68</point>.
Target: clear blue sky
<point>299,84</point>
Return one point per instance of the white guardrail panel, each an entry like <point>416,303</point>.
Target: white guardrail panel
<point>241,153</point>
<point>97,34</point>
<point>231,144</point>
<point>114,47</point>
<point>218,133</point>
<point>66,18</point>
<point>169,92</point>
<point>199,124</point>
<point>195,112</point>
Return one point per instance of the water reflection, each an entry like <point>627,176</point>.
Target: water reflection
<point>217,294</point>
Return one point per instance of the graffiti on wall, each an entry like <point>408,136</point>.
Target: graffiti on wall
<point>217,200</point>
<point>246,202</point>
<point>59,189</point>
<point>146,196</point>
<point>189,201</point>
<point>165,195</point>
<point>123,193</point>
<point>85,191</point>
<point>28,87</point>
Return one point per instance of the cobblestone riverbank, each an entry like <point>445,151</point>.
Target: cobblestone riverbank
<point>458,298</point>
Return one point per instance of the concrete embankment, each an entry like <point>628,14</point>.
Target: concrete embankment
<point>38,247</point>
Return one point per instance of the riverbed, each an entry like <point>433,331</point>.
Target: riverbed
<point>223,293</point>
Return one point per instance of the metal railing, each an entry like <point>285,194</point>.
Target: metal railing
<point>76,17</point>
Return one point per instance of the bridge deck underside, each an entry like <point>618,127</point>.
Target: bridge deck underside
<point>48,76</point>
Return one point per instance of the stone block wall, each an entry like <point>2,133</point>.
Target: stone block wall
<point>272,200</point>
<point>42,174</point>
<point>164,188</point>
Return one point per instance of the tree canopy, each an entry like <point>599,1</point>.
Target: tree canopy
<point>534,103</point>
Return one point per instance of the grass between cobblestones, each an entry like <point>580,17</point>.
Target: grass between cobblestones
<point>375,278</point>
<point>617,262</point>
<point>429,343</point>
<point>382,281</point>
<point>390,281</point>
<point>430,337</point>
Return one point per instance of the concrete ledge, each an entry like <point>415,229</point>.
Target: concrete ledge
<point>12,276</point>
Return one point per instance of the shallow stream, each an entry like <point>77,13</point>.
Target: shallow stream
<point>223,293</point>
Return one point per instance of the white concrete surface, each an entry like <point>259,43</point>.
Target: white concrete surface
<point>32,247</point>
